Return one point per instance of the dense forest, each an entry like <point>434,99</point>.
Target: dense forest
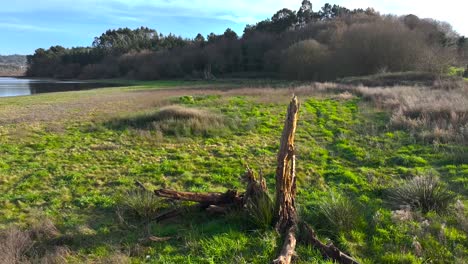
<point>328,44</point>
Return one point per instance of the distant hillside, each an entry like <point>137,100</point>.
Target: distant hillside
<point>12,65</point>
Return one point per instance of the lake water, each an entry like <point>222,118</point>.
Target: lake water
<point>17,87</point>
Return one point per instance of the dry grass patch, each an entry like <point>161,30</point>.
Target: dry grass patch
<point>432,114</point>
<point>33,245</point>
<point>14,244</point>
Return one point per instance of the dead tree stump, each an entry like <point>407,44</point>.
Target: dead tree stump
<point>285,212</point>
<point>285,209</point>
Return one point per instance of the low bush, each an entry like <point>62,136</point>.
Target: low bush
<point>425,193</point>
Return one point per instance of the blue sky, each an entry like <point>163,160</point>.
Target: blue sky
<point>29,24</point>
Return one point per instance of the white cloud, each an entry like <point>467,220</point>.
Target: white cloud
<point>19,26</point>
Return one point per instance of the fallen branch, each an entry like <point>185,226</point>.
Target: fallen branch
<point>287,252</point>
<point>328,251</point>
<point>229,197</point>
<point>154,239</point>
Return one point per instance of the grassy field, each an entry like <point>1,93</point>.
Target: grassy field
<point>69,162</point>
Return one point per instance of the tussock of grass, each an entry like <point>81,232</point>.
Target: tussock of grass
<point>337,213</point>
<point>260,210</point>
<point>140,203</point>
<point>175,120</point>
<point>425,193</point>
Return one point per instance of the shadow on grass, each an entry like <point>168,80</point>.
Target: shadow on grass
<point>195,235</point>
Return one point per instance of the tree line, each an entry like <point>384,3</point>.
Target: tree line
<point>331,43</point>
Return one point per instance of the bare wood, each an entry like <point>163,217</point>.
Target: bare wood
<point>158,239</point>
<point>228,197</point>
<point>285,208</point>
<point>154,239</point>
<point>215,209</point>
<point>287,252</point>
<point>255,187</point>
<point>328,251</point>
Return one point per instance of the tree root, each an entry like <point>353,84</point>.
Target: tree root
<point>287,252</point>
<point>328,251</point>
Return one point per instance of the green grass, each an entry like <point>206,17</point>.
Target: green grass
<point>66,161</point>
<point>456,71</point>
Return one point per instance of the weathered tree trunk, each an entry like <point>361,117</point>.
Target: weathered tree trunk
<point>285,209</point>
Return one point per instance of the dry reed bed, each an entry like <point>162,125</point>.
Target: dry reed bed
<point>431,114</point>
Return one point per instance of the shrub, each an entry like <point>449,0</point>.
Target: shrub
<point>305,60</point>
<point>425,193</point>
